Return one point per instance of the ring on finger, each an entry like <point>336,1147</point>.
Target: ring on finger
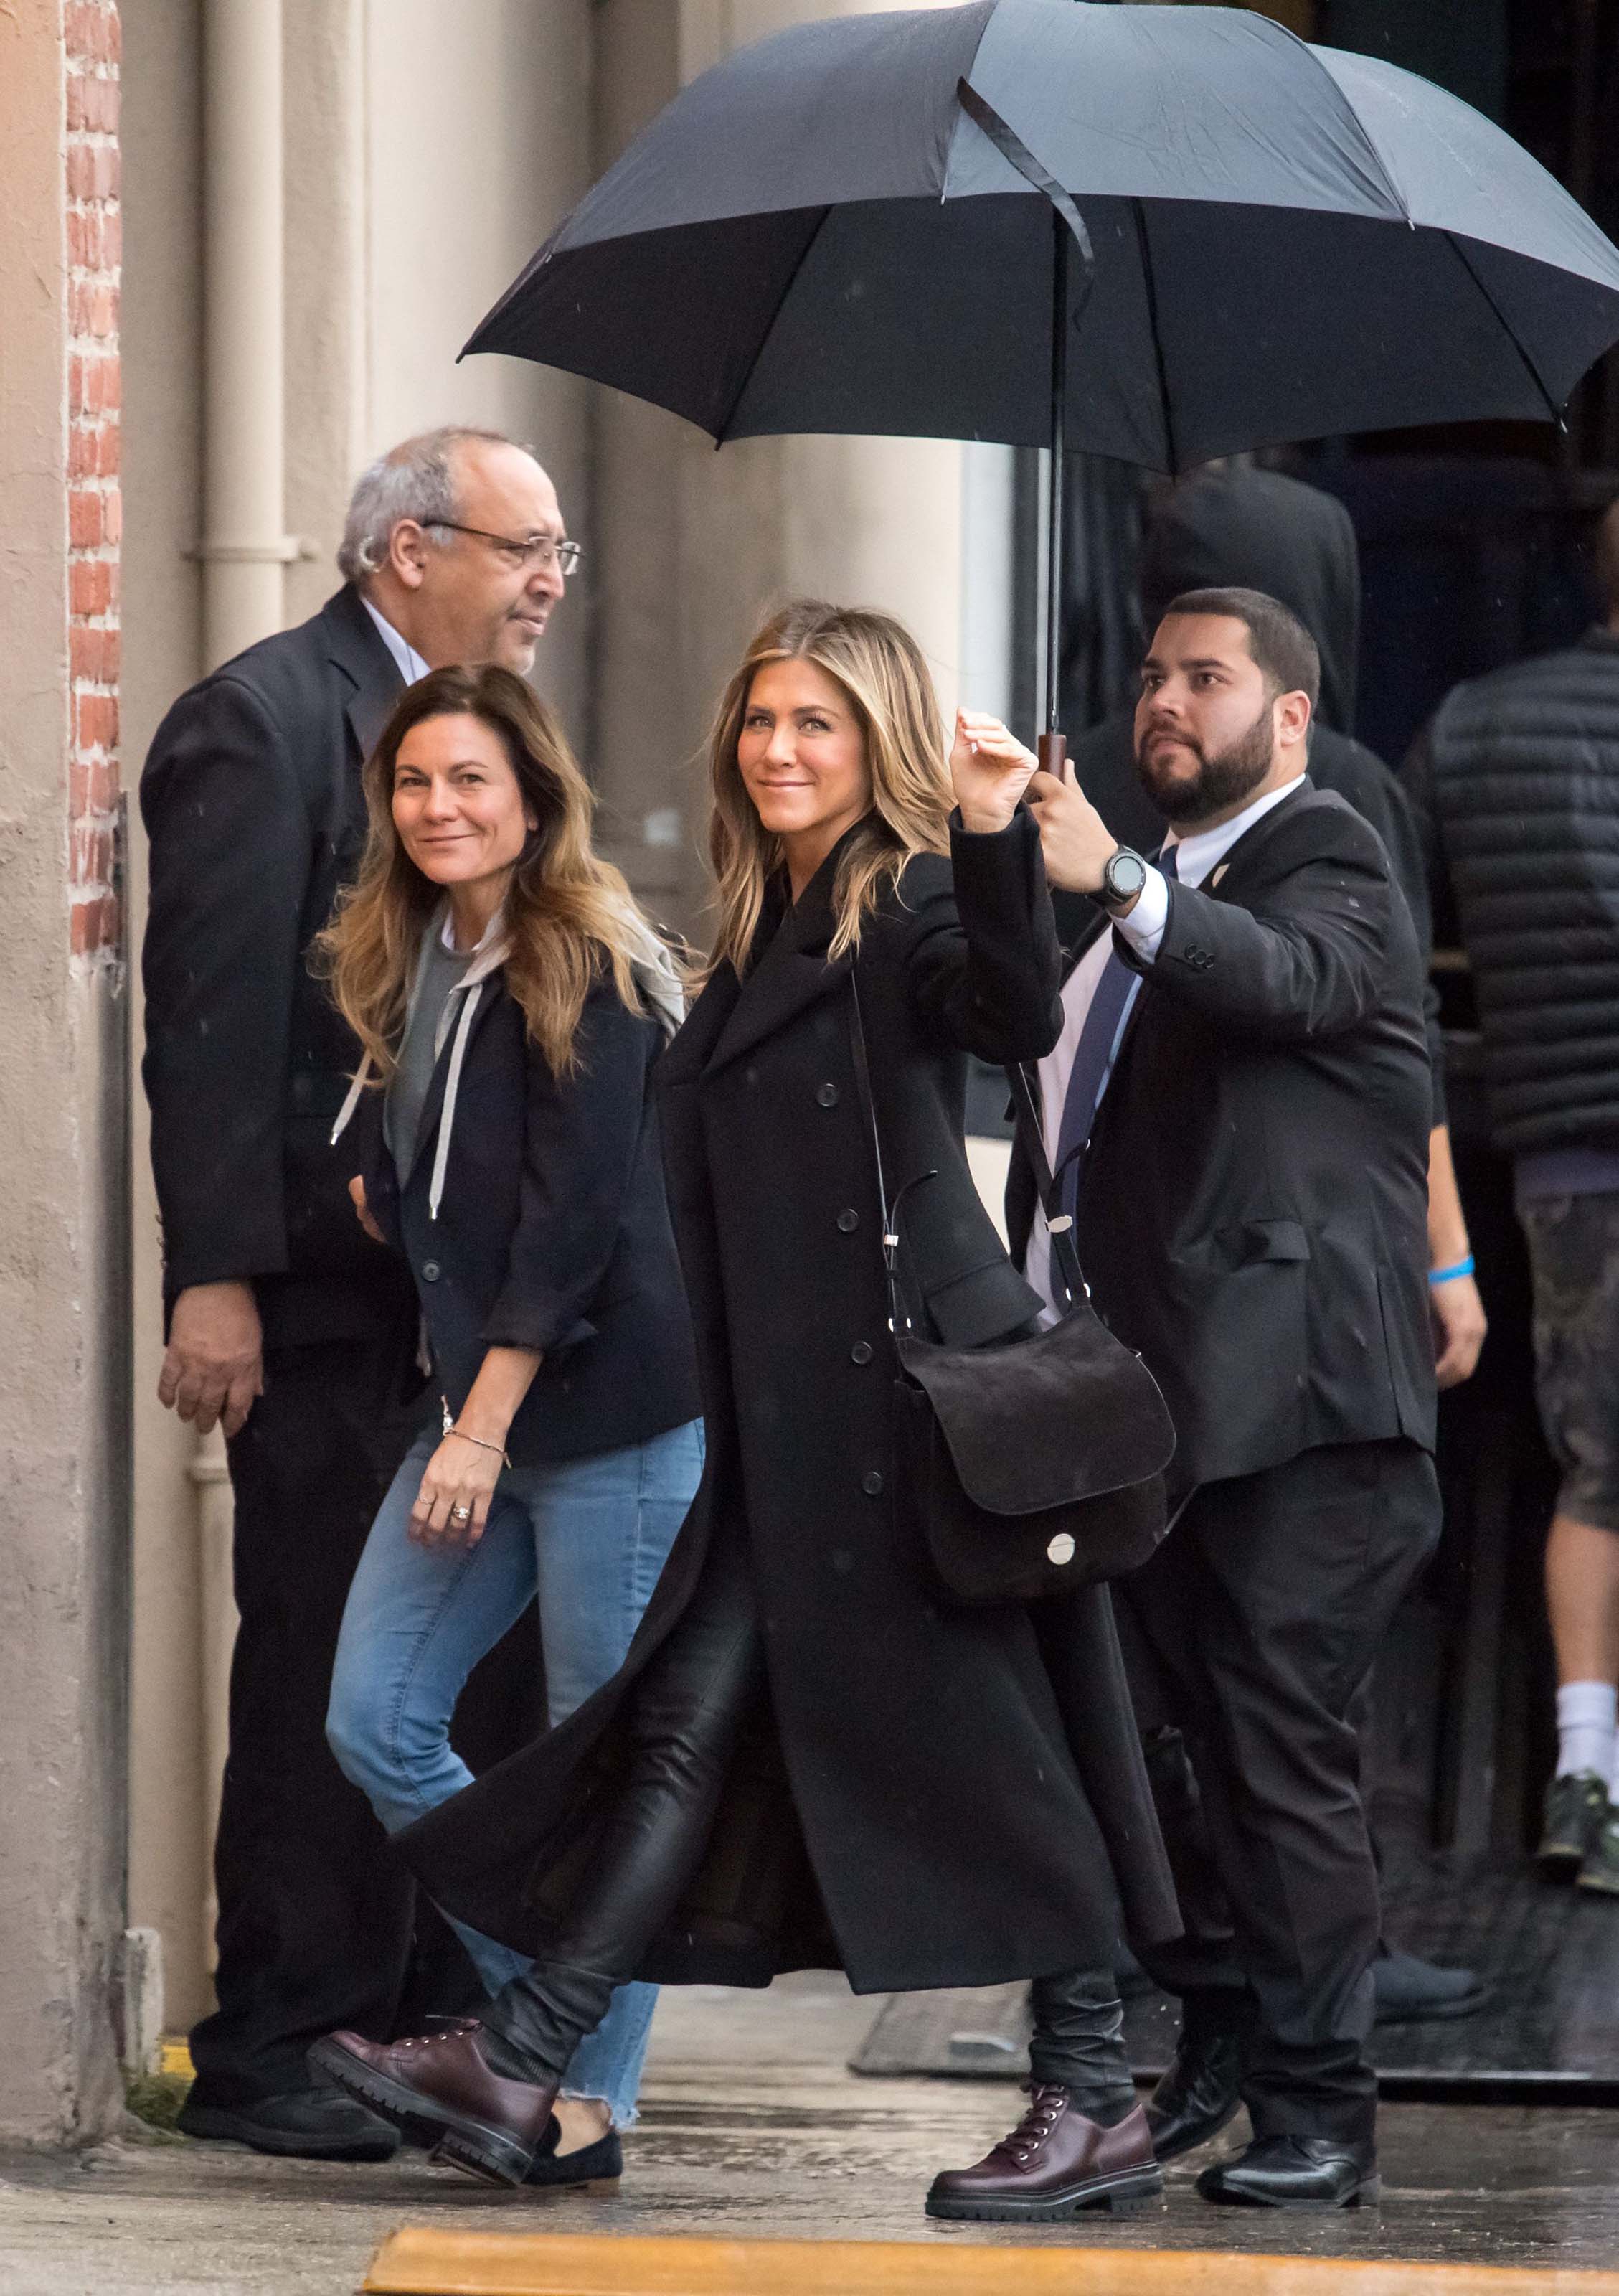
<point>461,1514</point>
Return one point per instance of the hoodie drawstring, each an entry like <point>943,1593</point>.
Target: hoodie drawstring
<point>353,1100</point>
<point>446,1121</point>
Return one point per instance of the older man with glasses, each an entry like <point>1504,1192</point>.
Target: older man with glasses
<point>287,1325</point>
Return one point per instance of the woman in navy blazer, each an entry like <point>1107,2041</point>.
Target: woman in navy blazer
<point>511,1001</point>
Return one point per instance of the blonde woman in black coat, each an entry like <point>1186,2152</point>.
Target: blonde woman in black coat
<point>808,1759</point>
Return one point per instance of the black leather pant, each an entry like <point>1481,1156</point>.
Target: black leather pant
<point>687,1711</point>
<point>683,1720</point>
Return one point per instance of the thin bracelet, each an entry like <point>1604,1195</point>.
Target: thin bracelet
<point>1449,1274</point>
<point>450,1428</point>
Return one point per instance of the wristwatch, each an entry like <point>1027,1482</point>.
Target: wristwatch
<point>1123,877</point>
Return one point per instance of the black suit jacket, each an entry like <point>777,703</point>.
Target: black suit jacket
<point>554,1232</point>
<point>1253,1203</point>
<point>252,803</point>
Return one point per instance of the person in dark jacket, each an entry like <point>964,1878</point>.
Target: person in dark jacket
<point>809,1758</point>
<point>1514,785</point>
<point>1240,1110</point>
<point>1260,531</point>
<point>1230,524</point>
<point>286,1324</point>
<point>512,999</point>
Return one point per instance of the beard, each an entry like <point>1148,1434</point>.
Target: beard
<point>1220,780</point>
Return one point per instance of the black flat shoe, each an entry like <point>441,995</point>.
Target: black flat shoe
<point>590,2164</point>
<point>305,2124</point>
<point>1197,2096</point>
<point>1294,2172</point>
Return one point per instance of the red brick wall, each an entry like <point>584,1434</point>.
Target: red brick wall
<point>93,237</point>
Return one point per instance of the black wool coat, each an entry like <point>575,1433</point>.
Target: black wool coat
<point>553,1231</point>
<point>930,1796</point>
<point>255,813</point>
<point>1253,1207</point>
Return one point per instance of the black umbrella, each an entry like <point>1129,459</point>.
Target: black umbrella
<point>896,224</point>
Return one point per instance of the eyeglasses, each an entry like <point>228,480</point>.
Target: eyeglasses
<point>535,550</point>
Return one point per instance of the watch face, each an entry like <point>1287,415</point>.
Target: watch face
<point>1127,874</point>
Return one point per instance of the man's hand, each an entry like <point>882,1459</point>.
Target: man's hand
<point>213,1368</point>
<point>1075,840</point>
<point>1459,1325</point>
<point>357,1197</point>
<point>990,769</point>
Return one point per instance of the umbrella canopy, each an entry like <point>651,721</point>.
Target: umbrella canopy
<point>847,227</point>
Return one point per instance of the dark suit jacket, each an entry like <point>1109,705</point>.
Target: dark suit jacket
<point>1253,1203</point>
<point>554,1232</point>
<point>252,802</point>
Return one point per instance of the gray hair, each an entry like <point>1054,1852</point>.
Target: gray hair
<point>414,481</point>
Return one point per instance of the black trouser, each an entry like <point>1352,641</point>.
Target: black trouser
<point>316,1912</point>
<point>1259,1616</point>
<point>685,1715</point>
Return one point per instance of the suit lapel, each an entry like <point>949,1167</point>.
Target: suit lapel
<point>1218,887</point>
<point>354,643</point>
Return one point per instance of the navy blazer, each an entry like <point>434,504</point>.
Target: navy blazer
<point>553,1232</point>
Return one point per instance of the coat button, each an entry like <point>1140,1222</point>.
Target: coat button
<point>872,1485</point>
<point>860,1352</point>
<point>1061,1550</point>
<point>848,1221</point>
<point>827,1094</point>
<point>430,1271</point>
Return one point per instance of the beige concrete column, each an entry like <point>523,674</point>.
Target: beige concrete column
<point>63,1220</point>
<point>244,546</point>
<point>173,1782</point>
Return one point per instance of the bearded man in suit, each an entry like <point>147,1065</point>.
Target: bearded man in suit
<point>286,1324</point>
<point>1238,1117</point>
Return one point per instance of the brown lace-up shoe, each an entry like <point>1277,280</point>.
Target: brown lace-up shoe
<point>442,2084</point>
<point>1054,2163</point>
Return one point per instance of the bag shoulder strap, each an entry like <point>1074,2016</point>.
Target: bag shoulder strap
<point>897,1321</point>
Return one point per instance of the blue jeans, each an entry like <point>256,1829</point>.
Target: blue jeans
<point>590,1537</point>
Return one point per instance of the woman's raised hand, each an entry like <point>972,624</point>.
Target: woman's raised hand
<point>990,769</point>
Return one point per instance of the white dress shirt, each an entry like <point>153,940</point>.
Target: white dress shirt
<point>407,659</point>
<point>1195,857</point>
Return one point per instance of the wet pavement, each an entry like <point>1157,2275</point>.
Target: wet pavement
<point>754,2126</point>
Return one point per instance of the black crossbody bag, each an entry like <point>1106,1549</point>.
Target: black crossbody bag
<point>1035,1466</point>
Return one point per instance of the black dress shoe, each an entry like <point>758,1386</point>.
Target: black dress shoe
<point>307,2124</point>
<point>1197,2096</point>
<point>1294,2172</point>
<point>1409,1991</point>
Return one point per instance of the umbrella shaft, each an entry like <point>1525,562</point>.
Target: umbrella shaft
<point>1056,491</point>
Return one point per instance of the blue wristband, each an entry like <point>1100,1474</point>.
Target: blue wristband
<point>1449,1274</point>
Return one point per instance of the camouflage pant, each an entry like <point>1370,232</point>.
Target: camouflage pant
<point>1574,1253</point>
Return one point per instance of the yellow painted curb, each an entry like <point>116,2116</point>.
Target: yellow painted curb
<point>421,2262</point>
